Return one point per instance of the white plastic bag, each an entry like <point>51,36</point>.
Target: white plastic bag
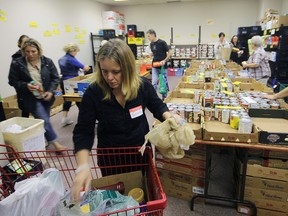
<point>35,196</point>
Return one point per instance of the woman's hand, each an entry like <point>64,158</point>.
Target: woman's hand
<point>47,96</point>
<point>244,64</point>
<point>271,97</point>
<point>81,181</point>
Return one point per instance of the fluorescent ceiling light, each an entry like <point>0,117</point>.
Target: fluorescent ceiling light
<point>121,0</point>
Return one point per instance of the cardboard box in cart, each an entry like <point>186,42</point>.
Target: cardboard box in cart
<point>30,138</point>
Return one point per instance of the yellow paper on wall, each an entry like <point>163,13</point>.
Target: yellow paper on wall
<point>33,24</point>
<point>47,34</point>
<point>68,28</point>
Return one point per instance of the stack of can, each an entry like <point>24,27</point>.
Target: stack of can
<point>190,113</point>
<point>258,101</point>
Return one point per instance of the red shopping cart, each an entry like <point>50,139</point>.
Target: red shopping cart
<point>22,165</point>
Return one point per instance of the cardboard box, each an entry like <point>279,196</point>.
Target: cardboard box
<point>270,204</point>
<point>131,180</point>
<point>268,184</point>
<point>268,153</point>
<point>277,21</point>
<point>257,193</point>
<point>189,85</point>
<point>255,87</point>
<point>12,112</point>
<point>243,80</point>
<point>184,169</point>
<point>180,177</point>
<point>189,160</point>
<point>267,172</point>
<point>178,194</point>
<point>10,101</point>
<point>218,131</point>
<point>182,98</point>
<point>265,212</point>
<point>181,186</point>
<point>269,162</point>
<point>71,85</point>
<point>272,125</point>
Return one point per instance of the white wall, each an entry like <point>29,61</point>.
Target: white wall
<point>266,4</point>
<point>84,14</point>
<point>185,18</point>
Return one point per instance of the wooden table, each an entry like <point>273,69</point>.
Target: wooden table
<point>72,97</point>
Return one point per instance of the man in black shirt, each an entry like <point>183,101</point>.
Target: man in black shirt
<point>161,54</point>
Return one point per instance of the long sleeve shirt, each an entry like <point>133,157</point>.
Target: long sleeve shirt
<point>69,66</point>
<point>117,126</point>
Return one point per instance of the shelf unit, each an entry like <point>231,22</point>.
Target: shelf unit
<point>96,44</point>
<point>276,40</point>
<point>183,54</point>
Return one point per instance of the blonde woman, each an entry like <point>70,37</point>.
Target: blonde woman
<point>69,67</point>
<point>118,99</point>
<point>35,78</point>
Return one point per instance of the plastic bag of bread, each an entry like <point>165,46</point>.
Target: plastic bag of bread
<point>170,138</point>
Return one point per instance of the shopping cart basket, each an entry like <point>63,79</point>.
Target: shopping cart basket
<point>33,163</point>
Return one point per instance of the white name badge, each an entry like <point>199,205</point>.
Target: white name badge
<point>136,112</point>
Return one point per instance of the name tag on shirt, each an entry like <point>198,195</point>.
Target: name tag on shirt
<point>136,112</point>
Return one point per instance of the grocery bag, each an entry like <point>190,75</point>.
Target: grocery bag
<point>162,84</point>
<point>35,196</point>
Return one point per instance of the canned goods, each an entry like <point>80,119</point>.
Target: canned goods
<point>264,105</point>
<point>196,116</point>
<point>180,111</point>
<point>188,113</point>
<point>171,110</point>
<point>275,105</point>
<point>208,101</point>
<point>208,114</point>
<point>234,120</point>
<point>174,108</point>
<point>225,115</point>
<point>245,125</point>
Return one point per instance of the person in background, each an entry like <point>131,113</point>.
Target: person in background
<point>236,50</point>
<point>222,43</point>
<point>258,62</point>
<point>161,54</point>
<point>18,54</point>
<point>118,99</point>
<point>20,41</point>
<point>35,78</point>
<point>69,67</point>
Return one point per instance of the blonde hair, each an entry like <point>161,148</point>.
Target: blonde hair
<point>71,47</point>
<point>33,43</point>
<point>119,52</point>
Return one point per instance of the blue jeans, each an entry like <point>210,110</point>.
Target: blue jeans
<point>155,78</point>
<point>42,111</point>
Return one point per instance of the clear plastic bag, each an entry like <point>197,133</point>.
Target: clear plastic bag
<point>100,202</point>
<point>35,196</point>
